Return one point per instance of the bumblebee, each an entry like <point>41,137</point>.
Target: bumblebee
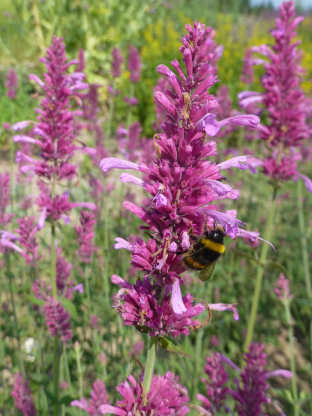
<point>204,253</point>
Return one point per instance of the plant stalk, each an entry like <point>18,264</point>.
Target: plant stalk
<point>260,271</point>
<point>57,360</point>
<point>303,238</point>
<point>150,364</point>
<point>9,275</point>
<point>292,358</point>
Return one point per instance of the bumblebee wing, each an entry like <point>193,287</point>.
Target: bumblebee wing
<point>207,272</point>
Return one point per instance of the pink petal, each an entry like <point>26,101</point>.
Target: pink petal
<point>112,162</point>
<point>106,408</point>
<point>242,120</point>
<point>34,77</point>
<point>21,124</point>
<point>307,181</point>
<point>235,162</point>
<point>26,139</point>
<point>89,205</point>
<point>127,177</point>
<point>280,373</point>
<point>176,299</point>
<point>40,223</point>
<point>116,280</point>
<point>121,243</point>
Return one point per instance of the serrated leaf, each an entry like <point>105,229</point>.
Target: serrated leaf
<point>172,346</point>
<point>35,301</point>
<point>70,307</point>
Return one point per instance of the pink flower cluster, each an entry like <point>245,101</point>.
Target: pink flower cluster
<point>283,99</point>
<point>183,184</point>
<point>22,396</point>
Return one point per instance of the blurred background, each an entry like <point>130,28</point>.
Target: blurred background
<point>155,27</point>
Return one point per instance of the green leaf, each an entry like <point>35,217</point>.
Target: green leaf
<point>70,307</point>
<point>35,300</point>
<point>66,400</point>
<point>50,396</point>
<point>172,346</point>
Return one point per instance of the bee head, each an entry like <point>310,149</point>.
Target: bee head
<point>217,235</point>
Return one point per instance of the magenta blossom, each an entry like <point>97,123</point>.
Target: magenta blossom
<point>134,64</point>
<point>215,385</point>
<point>282,288</point>
<point>165,398</point>
<point>183,184</point>
<point>85,236</point>
<point>117,61</point>
<point>58,320</point>
<point>283,99</point>
<point>12,84</point>
<point>250,392</point>
<point>98,398</point>
<point>22,396</point>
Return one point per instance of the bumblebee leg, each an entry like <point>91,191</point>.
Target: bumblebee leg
<point>181,252</point>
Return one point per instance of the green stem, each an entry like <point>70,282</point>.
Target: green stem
<point>150,364</point>
<point>10,276</point>
<point>57,342</point>
<point>260,271</point>
<point>57,360</point>
<point>292,358</point>
<point>305,256</point>
<point>111,112</point>
<point>12,185</point>
<point>79,370</point>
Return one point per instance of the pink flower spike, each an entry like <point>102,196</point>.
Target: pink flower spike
<point>176,298</point>
<point>128,178</point>
<point>35,78</point>
<point>282,288</point>
<point>112,162</point>
<point>121,243</point>
<point>235,162</point>
<point>225,307</point>
<point>21,125</point>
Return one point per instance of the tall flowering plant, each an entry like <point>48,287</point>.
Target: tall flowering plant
<point>249,393</point>
<point>285,105</point>
<point>183,184</point>
<point>54,133</point>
